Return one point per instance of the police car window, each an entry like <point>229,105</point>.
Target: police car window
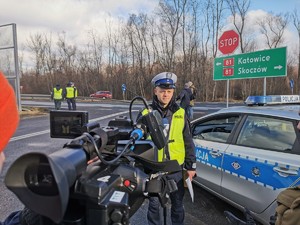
<point>216,129</point>
<point>267,133</point>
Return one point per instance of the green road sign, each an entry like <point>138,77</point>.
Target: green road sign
<point>266,63</point>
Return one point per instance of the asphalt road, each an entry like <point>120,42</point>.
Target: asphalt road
<point>33,135</point>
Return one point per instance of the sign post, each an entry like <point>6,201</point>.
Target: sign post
<point>228,43</point>
<point>9,46</point>
<point>292,85</point>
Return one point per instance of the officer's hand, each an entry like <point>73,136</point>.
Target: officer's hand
<point>29,217</point>
<point>191,174</point>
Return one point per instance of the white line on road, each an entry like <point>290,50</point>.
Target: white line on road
<point>47,131</point>
<point>29,135</point>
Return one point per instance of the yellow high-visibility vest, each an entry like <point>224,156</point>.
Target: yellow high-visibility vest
<point>57,94</point>
<point>175,142</point>
<point>71,92</point>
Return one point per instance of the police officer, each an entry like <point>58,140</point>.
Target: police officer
<point>57,96</point>
<point>71,94</point>
<point>185,97</point>
<point>193,97</point>
<point>180,145</point>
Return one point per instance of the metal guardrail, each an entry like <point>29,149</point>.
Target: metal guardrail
<point>48,97</point>
<point>35,96</point>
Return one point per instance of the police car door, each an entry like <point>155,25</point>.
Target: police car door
<point>211,137</point>
<point>261,163</point>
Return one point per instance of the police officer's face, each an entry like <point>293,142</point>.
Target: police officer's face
<point>164,95</point>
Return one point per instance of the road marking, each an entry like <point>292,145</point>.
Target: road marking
<point>48,131</point>
<point>28,135</point>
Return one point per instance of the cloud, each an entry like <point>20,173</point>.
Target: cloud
<point>78,17</point>
<point>74,17</point>
<point>251,31</point>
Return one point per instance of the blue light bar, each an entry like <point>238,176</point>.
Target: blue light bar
<point>272,99</point>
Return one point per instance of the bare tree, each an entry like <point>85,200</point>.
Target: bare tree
<point>239,9</point>
<point>180,35</point>
<point>296,22</point>
<point>37,45</point>
<point>67,56</point>
<point>272,27</point>
<point>211,26</point>
<point>96,49</point>
<point>137,33</point>
<point>89,63</point>
<point>170,13</point>
<point>112,40</point>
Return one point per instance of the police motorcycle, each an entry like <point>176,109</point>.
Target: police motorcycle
<point>102,176</point>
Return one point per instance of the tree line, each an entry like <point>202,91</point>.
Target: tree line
<point>179,36</point>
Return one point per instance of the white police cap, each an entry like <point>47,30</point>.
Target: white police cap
<point>164,80</point>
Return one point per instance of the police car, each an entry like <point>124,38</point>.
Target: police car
<point>246,155</point>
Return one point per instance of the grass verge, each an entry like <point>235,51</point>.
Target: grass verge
<point>32,111</point>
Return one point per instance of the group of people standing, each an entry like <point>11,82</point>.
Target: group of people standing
<point>187,98</point>
<point>69,93</point>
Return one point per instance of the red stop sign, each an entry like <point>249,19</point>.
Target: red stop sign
<point>228,42</point>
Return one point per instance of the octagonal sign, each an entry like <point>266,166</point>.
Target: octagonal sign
<point>228,42</point>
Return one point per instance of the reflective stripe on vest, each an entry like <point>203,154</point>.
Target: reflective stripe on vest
<point>71,92</point>
<point>57,94</point>
<point>176,142</point>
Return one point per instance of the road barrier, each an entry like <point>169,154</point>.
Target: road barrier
<point>48,97</point>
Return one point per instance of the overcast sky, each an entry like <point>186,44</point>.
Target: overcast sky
<point>76,17</point>
<point>72,16</point>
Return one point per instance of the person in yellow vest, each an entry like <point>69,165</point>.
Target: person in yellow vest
<point>180,145</point>
<point>57,96</point>
<point>70,94</point>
